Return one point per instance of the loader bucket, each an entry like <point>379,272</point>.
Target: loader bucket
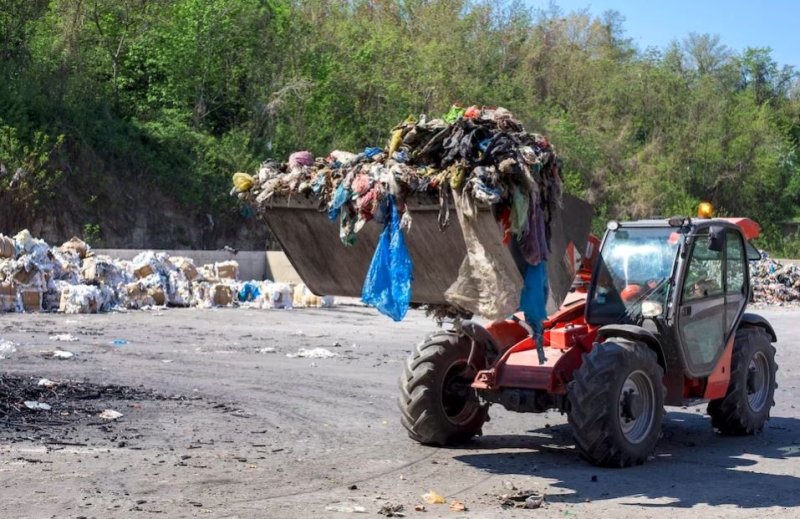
<point>312,245</point>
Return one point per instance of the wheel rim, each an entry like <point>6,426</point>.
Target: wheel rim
<point>456,404</point>
<point>758,381</point>
<point>637,407</point>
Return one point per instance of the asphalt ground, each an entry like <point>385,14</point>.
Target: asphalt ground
<point>219,422</point>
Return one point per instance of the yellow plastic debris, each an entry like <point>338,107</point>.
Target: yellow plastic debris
<point>397,138</point>
<point>457,176</point>
<point>432,498</point>
<point>243,182</point>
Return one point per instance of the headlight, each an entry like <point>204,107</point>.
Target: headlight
<point>651,309</point>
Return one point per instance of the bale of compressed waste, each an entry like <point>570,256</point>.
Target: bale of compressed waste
<point>7,247</point>
<point>8,297</point>
<point>75,246</point>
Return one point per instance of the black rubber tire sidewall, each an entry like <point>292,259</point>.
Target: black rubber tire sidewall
<point>732,415</point>
<point>594,403</point>
<point>420,401</point>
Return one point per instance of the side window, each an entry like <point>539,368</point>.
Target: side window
<point>736,264</point>
<point>704,275</point>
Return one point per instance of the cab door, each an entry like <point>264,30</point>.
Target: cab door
<point>737,280</point>
<point>701,318</point>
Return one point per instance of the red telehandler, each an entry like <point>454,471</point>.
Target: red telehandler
<point>657,317</point>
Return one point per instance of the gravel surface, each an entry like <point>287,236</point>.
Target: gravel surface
<point>218,421</point>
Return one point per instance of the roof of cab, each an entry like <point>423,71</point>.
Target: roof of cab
<point>749,228</point>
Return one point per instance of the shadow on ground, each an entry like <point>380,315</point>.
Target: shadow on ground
<point>692,465</point>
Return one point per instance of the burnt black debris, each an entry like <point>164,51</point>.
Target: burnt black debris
<point>32,408</point>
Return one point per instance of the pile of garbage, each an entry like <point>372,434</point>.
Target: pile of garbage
<point>774,282</point>
<point>72,279</point>
<point>470,157</point>
<point>483,152</point>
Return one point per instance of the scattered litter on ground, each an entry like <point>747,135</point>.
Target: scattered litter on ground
<point>458,506</point>
<point>7,347</point>
<point>30,404</point>
<point>390,510</point>
<point>62,354</point>
<point>110,414</point>
<point>64,337</point>
<point>268,349</point>
<point>432,498</point>
<point>119,342</point>
<point>46,383</point>
<point>316,353</point>
<point>346,508</point>
<point>420,508</point>
<point>530,499</point>
<point>534,502</point>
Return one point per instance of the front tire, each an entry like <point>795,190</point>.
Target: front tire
<point>746,406</point>
<point>436,401</point>
<point>617,403</point>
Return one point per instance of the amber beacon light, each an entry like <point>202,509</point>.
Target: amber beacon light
<point>705,210</point>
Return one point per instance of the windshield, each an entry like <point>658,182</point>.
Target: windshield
<point>634,266</point>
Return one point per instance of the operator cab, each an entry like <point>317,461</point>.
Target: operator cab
<point>686,280</point>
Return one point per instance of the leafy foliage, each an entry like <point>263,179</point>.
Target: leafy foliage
<point>24,181</point>
<point>179,94</point>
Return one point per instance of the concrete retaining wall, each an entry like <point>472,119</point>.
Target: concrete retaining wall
<point>253,265</point>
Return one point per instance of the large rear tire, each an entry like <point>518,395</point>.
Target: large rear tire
<point>617,403</point>
<point>436,401</point>
<point>746,406</point>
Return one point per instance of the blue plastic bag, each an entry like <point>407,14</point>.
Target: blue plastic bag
<point>340,197</point>
<point>249,292</point>
<point>533,301</point>
<point>388,283</point>
<point>371,152</point>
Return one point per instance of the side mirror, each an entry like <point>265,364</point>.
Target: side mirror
<point>716,238</point>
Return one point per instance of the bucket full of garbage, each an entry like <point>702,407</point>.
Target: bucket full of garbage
<point>451,211</point>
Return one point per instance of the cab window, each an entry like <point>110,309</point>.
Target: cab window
<point>704,277</point>
<point>736,264</point>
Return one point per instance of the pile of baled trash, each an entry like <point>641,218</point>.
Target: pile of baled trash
<point>73,279</point>
<point>773,282</point>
